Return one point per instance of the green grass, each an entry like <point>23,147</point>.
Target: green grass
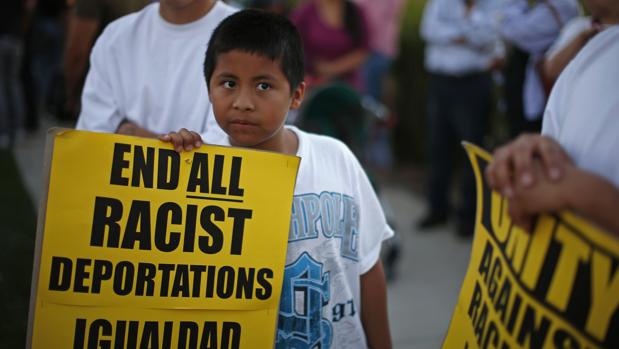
<point>17,231</point>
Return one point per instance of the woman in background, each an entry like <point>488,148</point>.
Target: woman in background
<point>335,38</point>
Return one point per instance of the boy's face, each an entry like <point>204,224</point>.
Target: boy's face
<point>251,97</point>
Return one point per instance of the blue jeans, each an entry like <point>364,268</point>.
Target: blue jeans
<point>374,72</point>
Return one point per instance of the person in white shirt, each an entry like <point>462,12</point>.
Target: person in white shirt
<point>573,165</point>
<point>461,44</point>
<point>145,75</point>
<point>533,27</point>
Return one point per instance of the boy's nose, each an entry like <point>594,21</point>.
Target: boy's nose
<point>243,101</point>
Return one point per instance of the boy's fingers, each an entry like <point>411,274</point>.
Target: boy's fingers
<point>177,141</point>
<point>197,139</point>
<point>187,138</point>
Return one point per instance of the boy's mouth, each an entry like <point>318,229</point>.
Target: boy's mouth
<point>243,122</point>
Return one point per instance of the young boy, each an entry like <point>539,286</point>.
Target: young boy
<point>334,293</point>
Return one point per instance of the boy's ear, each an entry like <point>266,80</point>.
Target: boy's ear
<point>297,96</point>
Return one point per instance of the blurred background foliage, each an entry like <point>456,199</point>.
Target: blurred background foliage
<point>409,88</point>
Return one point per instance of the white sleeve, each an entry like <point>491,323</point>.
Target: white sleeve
<point>569,32</point>
<point>433,28</point>
<point>480,29</point>
<point>373,227</point>
<point>442,23</point>
<point>554,113</point>
<point>531,30</point>
<point>100,109</point>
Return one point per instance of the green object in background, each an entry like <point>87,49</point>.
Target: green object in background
<point>410,80</point>
<point>335,110</point>
<point>17,232</point>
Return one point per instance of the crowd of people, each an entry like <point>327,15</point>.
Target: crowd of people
<point>145,74</point>
<point>524,46</point>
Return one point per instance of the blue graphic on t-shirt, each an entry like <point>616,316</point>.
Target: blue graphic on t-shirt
<point>304,293</point>
<point>332,215</point>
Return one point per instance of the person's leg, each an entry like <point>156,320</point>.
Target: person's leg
<point>471,119</point>
<point>374,72</point>
<point>378,146</point>
<point>11,101</point>
<point>514,73</point>
<point>439,136</point>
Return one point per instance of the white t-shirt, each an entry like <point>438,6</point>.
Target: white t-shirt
<point>336,231</point>
<point>150,71</point>
<point>583,110</point>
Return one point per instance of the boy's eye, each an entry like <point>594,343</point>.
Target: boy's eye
<point>229,84</point>
<point>263,86</point>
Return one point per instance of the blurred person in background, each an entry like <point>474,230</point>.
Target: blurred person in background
<point>47,38</point>
<point>87,20</point>
<point>461,49</point>
<point>384,24</point>
<point>145,75</point>
<point>12,14</point>
<point>532,26</point>
<point>335,39</point>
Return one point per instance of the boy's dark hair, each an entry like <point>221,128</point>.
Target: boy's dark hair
<point>258,32</point>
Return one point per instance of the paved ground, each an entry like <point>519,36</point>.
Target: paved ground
<point>430,270</point>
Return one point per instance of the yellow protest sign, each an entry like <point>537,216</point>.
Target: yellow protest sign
<point>139,246</point>
<point>557,287</point>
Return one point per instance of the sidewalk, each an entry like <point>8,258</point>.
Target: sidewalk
<point>430,270</point>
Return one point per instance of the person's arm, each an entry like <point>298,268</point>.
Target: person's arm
<point>342,65</point>
<point>374,308</point>
<point>556,62</point>
<point>580,191</point>
<point>80,37</point>
<point>480,28</point>
<point>353,59</point>
<point>101,108</point>
<point>130,128</point>
<point>532,30</point>
<point>438,26</point>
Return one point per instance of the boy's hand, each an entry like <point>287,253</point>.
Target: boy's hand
<point>511,167</point>
<point>183,140</point>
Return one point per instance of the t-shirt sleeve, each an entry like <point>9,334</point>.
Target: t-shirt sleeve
<point>100,109</point>
<point>571,30</point>
<point>373,227</point>
<point>558,99</point>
